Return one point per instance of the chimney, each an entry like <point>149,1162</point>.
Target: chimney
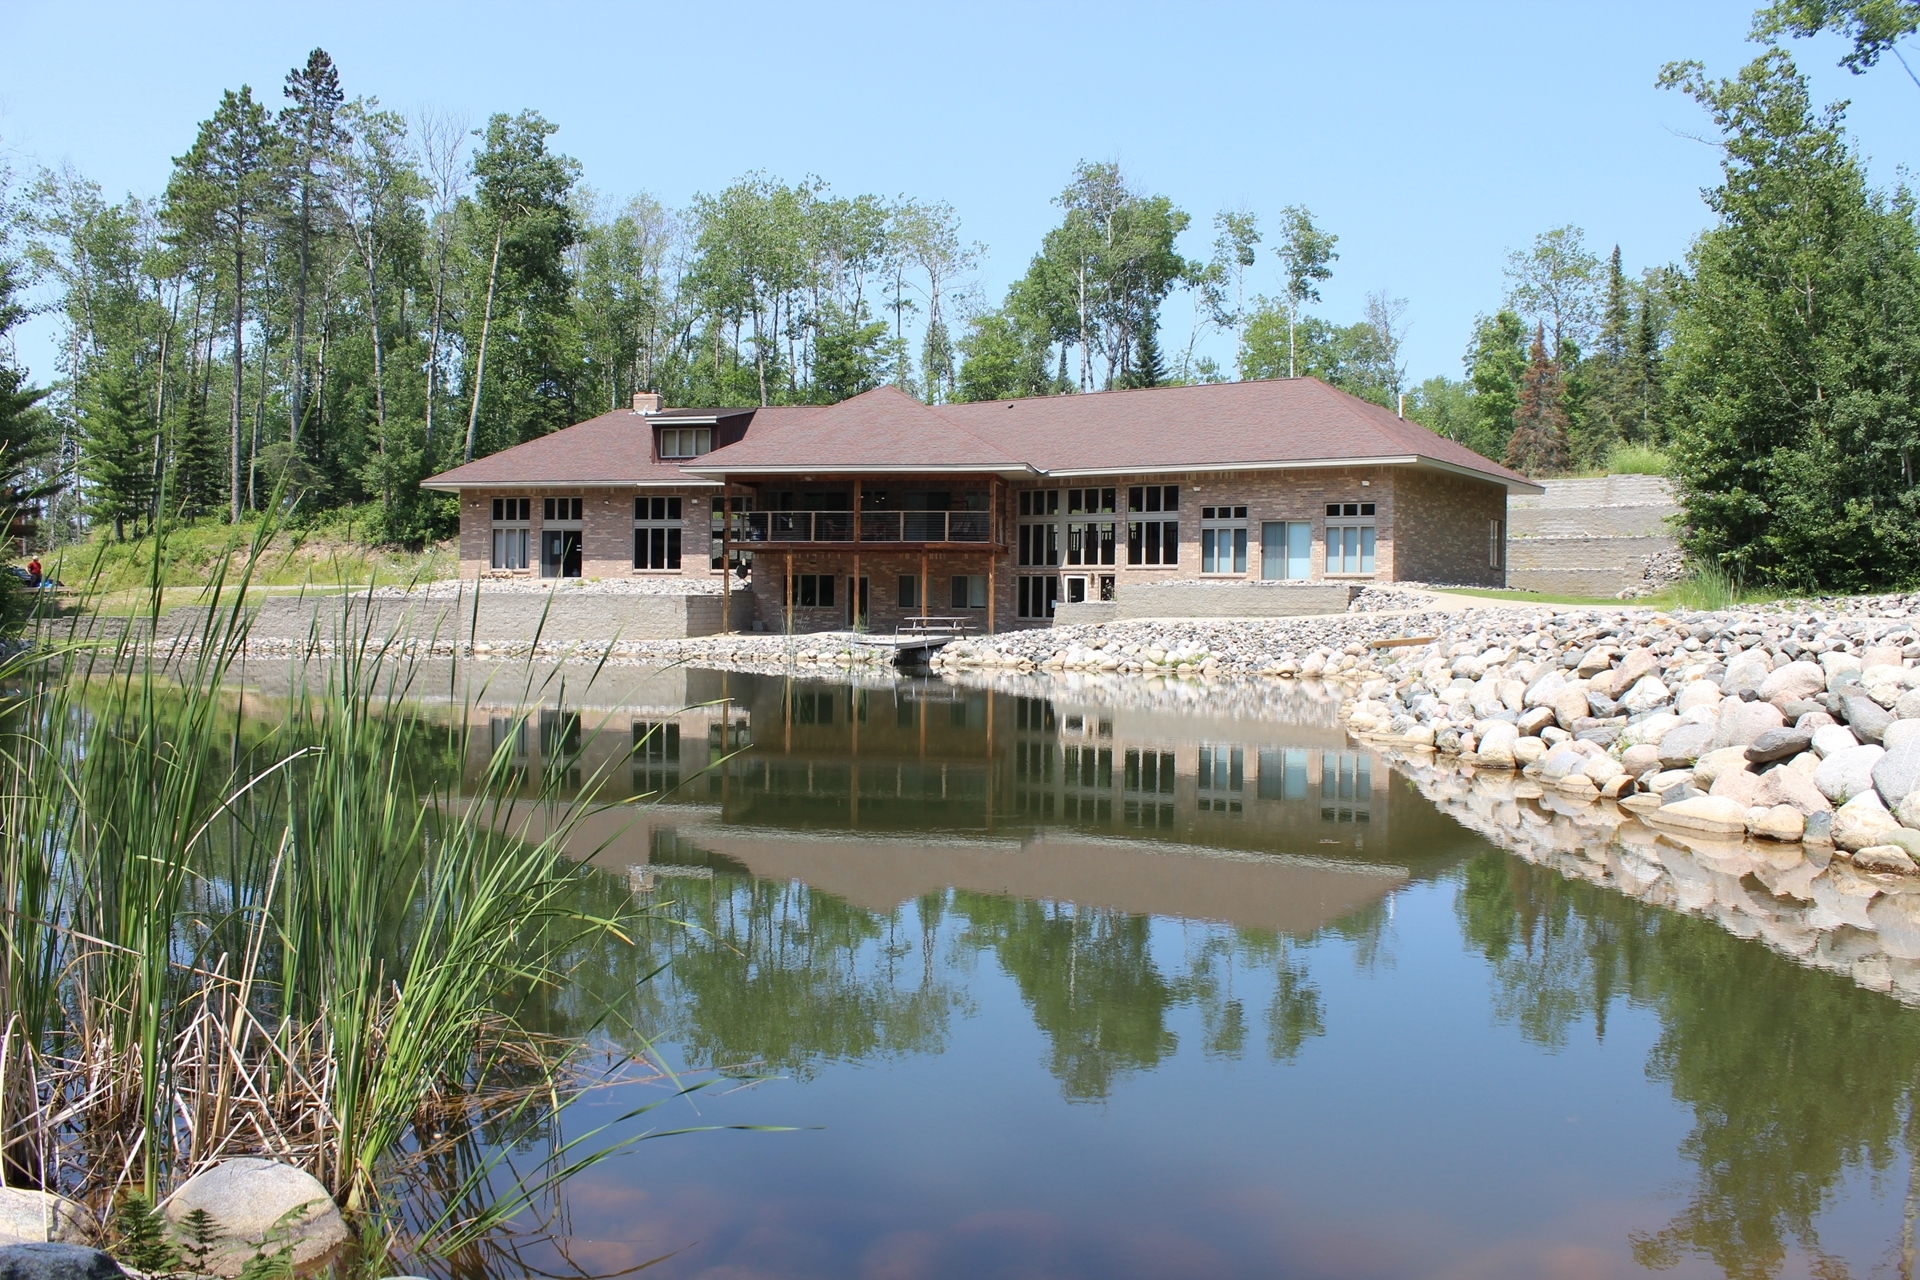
<point>646,402</point>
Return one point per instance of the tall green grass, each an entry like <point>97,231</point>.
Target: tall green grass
<point>305,940</point>
<point>1635,460</point>
<point>1706,588</point>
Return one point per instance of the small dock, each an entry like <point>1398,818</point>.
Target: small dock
<point>919,637</point>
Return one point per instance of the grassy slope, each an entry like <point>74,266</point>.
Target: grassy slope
<point>114,577</point>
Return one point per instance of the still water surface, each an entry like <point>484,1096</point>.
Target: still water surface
<point>1056,988</point>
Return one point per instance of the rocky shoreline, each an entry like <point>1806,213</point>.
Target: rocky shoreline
<point>1758,764</point>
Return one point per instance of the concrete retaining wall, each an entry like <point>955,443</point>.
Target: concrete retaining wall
<point>1209,600</point>
<point>1589,537</point>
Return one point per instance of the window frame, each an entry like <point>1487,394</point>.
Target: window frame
<point>699,442</point>
<point>513,517</point>
<point>1359,519</point>
<point>1152,504</point>
<point>1212,526</point>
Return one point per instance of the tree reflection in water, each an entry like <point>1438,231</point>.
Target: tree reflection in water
<point>1796,1078</point>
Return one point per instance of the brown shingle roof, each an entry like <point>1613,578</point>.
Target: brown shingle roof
<point>613,449</point>
<point>1273,423</point>
<point>882,429</point>
<point>1276,421</point>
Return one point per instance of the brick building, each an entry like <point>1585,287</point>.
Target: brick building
<point>881,508</point>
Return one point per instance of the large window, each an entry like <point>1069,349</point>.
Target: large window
<point>969,590</point>
<point>1153,525</point>
<point>1350,535</point>
<point>1091,525</point>
<point>1035,596</point>
<point>685,442</point>
<point>810,590</point>
<point>656,533</point>
<point>1223,539</point>
<point>511,534</point>
<point>1039,543</point>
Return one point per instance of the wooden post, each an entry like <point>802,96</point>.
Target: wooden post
<point>993,564</point>
<point>926,584</point>
<point>853,586</point>
<point>726,558</point>
<point>789,591</point>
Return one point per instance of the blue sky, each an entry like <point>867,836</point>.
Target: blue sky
<point>1431,137</point>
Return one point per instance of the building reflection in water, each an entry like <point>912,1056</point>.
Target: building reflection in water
<point>883,793</point>
<point>847,855</point>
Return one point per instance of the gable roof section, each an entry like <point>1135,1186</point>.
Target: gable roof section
<point>883,430</point>
<point>1271,423</point>
<point>1298,422</point>
<point>614,449</point>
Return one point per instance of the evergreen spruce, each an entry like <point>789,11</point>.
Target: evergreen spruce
<point>116,457</point>
<point>1147,369</point>
<point>1645,373</point>
<point>1539,443</point>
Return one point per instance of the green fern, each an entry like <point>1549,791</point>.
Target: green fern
<point>140,1238</point>
<point>198,1231</point>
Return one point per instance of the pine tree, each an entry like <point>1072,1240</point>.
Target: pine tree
<point>1615,321</point>
<point>1146,369</point>
<point>1645,372</point>
<point>116,455</point>
<point>194,486</point>
<point>1539,443</point>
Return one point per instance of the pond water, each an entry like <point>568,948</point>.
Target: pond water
<point>1052,987</point>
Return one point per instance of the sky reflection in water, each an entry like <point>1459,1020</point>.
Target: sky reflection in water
<point>1072,990</point>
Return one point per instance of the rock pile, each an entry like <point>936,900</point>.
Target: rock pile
<point>1777,724</point>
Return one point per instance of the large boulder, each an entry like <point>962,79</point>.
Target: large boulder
<point>1846,774</point>
<point>1779,744</point>
<point>1898,732</point>
<point>1748,671</point>
<point>1794,788</point>
<point>1570,705</point>
<point>1829,738</point>
<point>1711,765</point>
<point>1867,718</point>
<point>1497,739</point>
<point>1742,722</point>
<point>28,1216</point>
<point>1637,663</point>
<point>1697,693</point>
<point>1838,666</point>
<point>1681,746</point>
<point>1896,775</point>
<point>1781,822</point>
<point>261,1206</point>
<point>1794,682</point>
<point>1886,858</point>
<point>57,1261</point>
<point>1705,815</point>
<point>1543,691</point>
<point>1862,822</point>
<point>1647,693</point>
<point>1737,785</point>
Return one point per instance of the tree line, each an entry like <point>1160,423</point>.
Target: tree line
<point>332,301</point>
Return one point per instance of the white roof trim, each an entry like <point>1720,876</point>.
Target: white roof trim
<point>1399,460</point>
<point>689,482</point>
<point>833,469</point>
